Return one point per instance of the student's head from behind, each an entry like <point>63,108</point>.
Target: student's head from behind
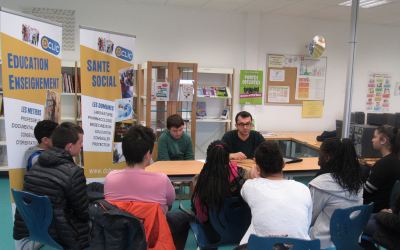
<point>213,186</point>
<point>68,136</point>
<point>341,158</point>
<point>269,158</point>
<point>175,126</point>
<point>137,144</point>
<point>43,132</point>
<point>244,122</point>
<point>386,137</point>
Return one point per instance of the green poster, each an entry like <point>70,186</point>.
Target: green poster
<point>251,87</point>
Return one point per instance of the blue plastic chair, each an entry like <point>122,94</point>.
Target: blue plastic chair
<point>346,230</point>
<point>231,224</point>
<point>37,216</point>
<point>267,243</point>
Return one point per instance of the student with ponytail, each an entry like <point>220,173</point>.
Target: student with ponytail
<point>338,184</point>
<point>219,179</point>
<point>386,171</point>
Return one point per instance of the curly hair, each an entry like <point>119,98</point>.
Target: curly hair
<point>269,157</point>
<point>343,160</point>
<point>213,187</point>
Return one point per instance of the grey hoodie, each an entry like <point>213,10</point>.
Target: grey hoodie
<point>30,151</point>
<point>327,195</point>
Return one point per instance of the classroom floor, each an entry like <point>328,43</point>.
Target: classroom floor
<point>6,220</point>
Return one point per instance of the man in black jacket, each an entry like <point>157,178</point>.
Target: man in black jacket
<point>55,175</point>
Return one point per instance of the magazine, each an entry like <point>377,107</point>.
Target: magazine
<point>186,91</point>
<point>161,91</point>
<point>221,92</point>
<point>201,110</point>
<point>225,113</point>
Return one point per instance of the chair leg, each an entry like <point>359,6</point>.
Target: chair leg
<point>190,213</point>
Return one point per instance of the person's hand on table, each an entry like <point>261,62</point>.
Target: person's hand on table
<point>237,156</point>
<point>254,173</point>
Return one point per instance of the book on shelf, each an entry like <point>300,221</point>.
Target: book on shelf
<point>185,91</point>
<point>67,83</point>
<point>221,92</point>
<point>201,110</point>
<point>1,104</point>
<point>204,91</point>
<point>225,113</point>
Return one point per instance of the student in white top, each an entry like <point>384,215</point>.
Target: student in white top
<point>279,207</point>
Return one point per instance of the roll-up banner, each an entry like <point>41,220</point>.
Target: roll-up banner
<point>107,82</point>
<point>31,68</point>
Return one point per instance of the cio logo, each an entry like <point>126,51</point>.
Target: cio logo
<point>124,54</point>
<point>50,45</point>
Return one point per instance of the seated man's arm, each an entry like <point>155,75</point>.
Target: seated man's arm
<point>162,149</point>
<point>236,155</point>
<point>189,151</point>
<point>77,195</point>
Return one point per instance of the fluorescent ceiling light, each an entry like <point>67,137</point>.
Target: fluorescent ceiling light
<point>368,3</point>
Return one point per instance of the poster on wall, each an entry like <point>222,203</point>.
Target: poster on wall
<point>107,76</point>
<point>378,92</point>
<point>251,87</point>
<point>311,75</point>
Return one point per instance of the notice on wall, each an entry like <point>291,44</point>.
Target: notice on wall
<point>278,94</point>
<point>98,117</point>
<point>275,61</point>
<point>277,75</point>
<point>378,92</point>
<point>291,61</point>
<point>251,84</point>
<point>310,82</point>
<point>312,109</point>
<point>397,89</point>
<point>21,120</point>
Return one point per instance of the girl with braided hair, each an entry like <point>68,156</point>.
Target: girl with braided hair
<point>338,184</point>
<point>219,179</point>
<point>386,171</point>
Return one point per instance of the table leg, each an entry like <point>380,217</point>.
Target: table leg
<point>293,149</point>
<point>190,213</point>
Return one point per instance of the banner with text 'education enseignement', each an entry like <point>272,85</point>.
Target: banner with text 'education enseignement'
<point>107,73</point>
<point>31,68</point>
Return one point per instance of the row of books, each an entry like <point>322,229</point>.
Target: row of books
<point>201,111</point>
<point>68,83</point>
<point>212,92</point>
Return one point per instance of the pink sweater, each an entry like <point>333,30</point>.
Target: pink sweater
<point>139,185</point>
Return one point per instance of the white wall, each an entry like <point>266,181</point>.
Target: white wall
<point>242,41</point>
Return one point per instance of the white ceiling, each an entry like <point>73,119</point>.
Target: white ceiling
<point>388,14</point>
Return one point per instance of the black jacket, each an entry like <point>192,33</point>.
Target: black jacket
<point>110,228</point>
<point>55,175</point>
<point>389,234</point>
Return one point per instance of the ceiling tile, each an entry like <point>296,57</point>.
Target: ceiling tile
<point>394,24</point>
<point>234,1</point>
<point>384,20</point>
<point>329,12</point>
<point>365,14</point>
<point>273,3</point>
<point>300,8</point>
<point>187,3</point>
<point>221,6</point>
<point>258,9</point>
<point>346,17</point>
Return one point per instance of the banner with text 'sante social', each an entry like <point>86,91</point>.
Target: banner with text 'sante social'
<point>31,68</point>
<point>107,76</point>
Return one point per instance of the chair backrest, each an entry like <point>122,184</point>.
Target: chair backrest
<point>393,195</point>
<point>155,152</point>
<point>232,222</point>
<point>37,213</point>
<point>267,243</point>
<point>348,224</point>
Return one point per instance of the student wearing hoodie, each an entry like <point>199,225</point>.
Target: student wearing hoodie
<point>173,144</point>
<point>338,184</point>
<point>42,131</point>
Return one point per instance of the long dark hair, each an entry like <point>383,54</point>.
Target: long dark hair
<point>394,138</point>
<point>345,168</point>
<point>213,187</point>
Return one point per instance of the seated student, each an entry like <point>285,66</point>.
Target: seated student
<point>279,207</point>
<point>42,132</point>
<point>56,176</point>
<point>134,184</point>
<point>173,144</point>
<point>386,171</point>
<point>215,183</point>
<point>338,184</point>
<point>243,141</point>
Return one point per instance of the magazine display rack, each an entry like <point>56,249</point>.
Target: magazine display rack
<point>153,113</point>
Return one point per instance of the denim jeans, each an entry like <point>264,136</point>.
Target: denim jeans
<point>179,224</point>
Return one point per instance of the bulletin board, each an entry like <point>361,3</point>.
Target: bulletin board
<point>289,80</point>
